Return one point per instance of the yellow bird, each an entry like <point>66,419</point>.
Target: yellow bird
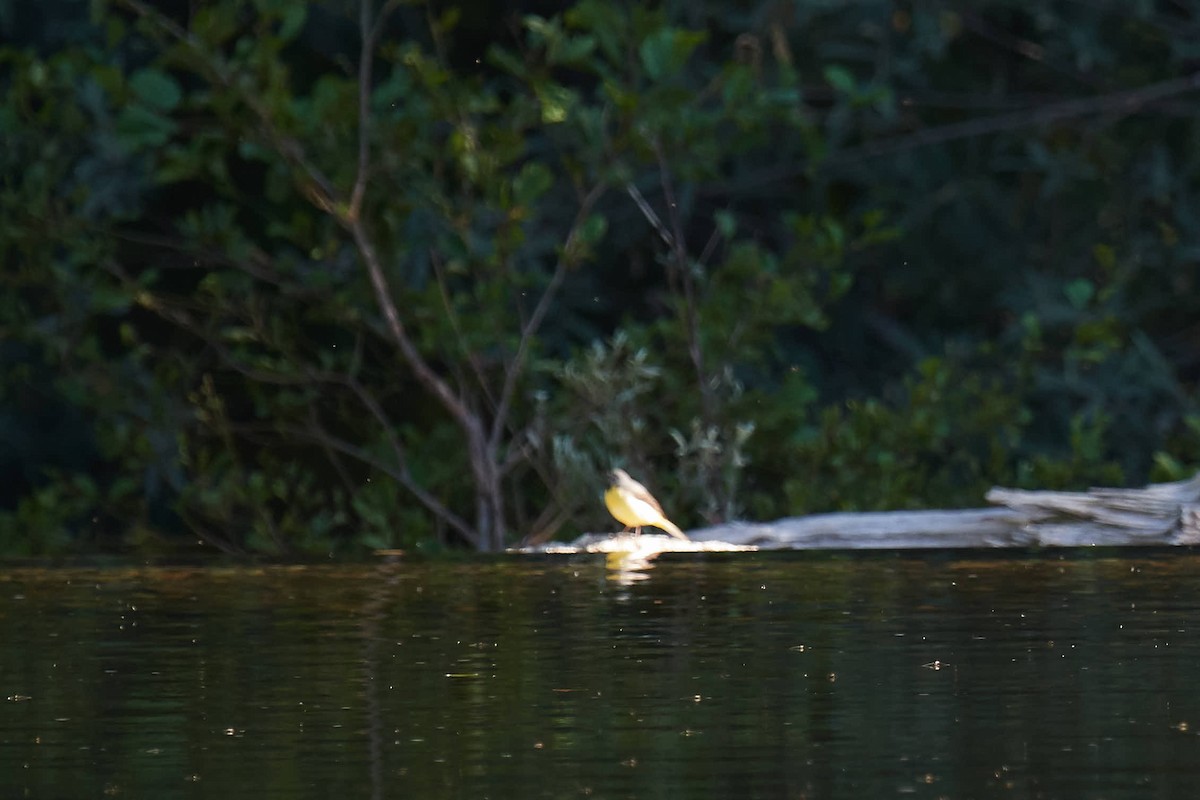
<point>634,506</point>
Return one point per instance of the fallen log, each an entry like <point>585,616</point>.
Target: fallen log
<point>976,527</point>
<point>1158,514</point>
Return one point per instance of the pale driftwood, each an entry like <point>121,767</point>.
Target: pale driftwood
<point>629,557</point>
<point>640,545</point>
<point>976,527</point>
<point>1159,514</point>
<point>1162,513</point>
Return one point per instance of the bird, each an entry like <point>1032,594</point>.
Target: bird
<point>634,506</point>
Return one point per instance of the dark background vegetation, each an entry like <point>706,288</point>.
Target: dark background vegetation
<point>297,278</point>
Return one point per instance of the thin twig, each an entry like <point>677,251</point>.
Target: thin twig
<point>1119,103</point>
<point>330,454</point>
<point>433,382</point>
<point>370,33</point>
<point>648,212</point>
<point>439,511</point>
<point>545,526</point>
<point>321,190</point>
<point>565,261</point>
<point>206,536</point>
<point>310,376</point>
<point>400,476</point>
<point>452,315</point>
<point>680,258</point>
<point>324,195</point>
<point>710,246</point>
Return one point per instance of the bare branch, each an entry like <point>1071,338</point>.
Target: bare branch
<point>365,63</point>
<point>319,188</point>
<point>1116,103</point>
<point>370,32</point>
<point>651,217</point>
<point>710,246</point>
<point>545,526</point>
<point>680,258</point>
<point>432,382</point>
<point>668,187</point>
<point>565,261</point>
<point>207,536</point>
<point>452,316</point>
<point>399,475</point>
<point>400,472</point>
<point>321,192</point>
<point>331,455</point>
<point>1120,103</point>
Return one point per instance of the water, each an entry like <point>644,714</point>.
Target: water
<point>946,675</point>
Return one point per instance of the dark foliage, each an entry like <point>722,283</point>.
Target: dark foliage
<point>301,277</point>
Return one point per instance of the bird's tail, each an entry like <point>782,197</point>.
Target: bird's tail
<point>672,528</point>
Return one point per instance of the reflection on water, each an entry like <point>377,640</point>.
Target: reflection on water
<point>764,675</point>
<point>628,568</point>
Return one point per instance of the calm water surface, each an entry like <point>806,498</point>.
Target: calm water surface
<point>1053,675</point>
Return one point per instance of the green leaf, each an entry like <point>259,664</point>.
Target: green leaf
<point>556,101</point>
<point>138,126</point>
<point>508,61</point>
<point>575,50</point>
<point>532,182</point>
<point>664,52</point>
<point>726,223</point>
<point>840,79</point>
<point>108,300</point>
<point>1080,292</point>
<point>156,89</point>
<point>593,229</point>
<point>293,20</point>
